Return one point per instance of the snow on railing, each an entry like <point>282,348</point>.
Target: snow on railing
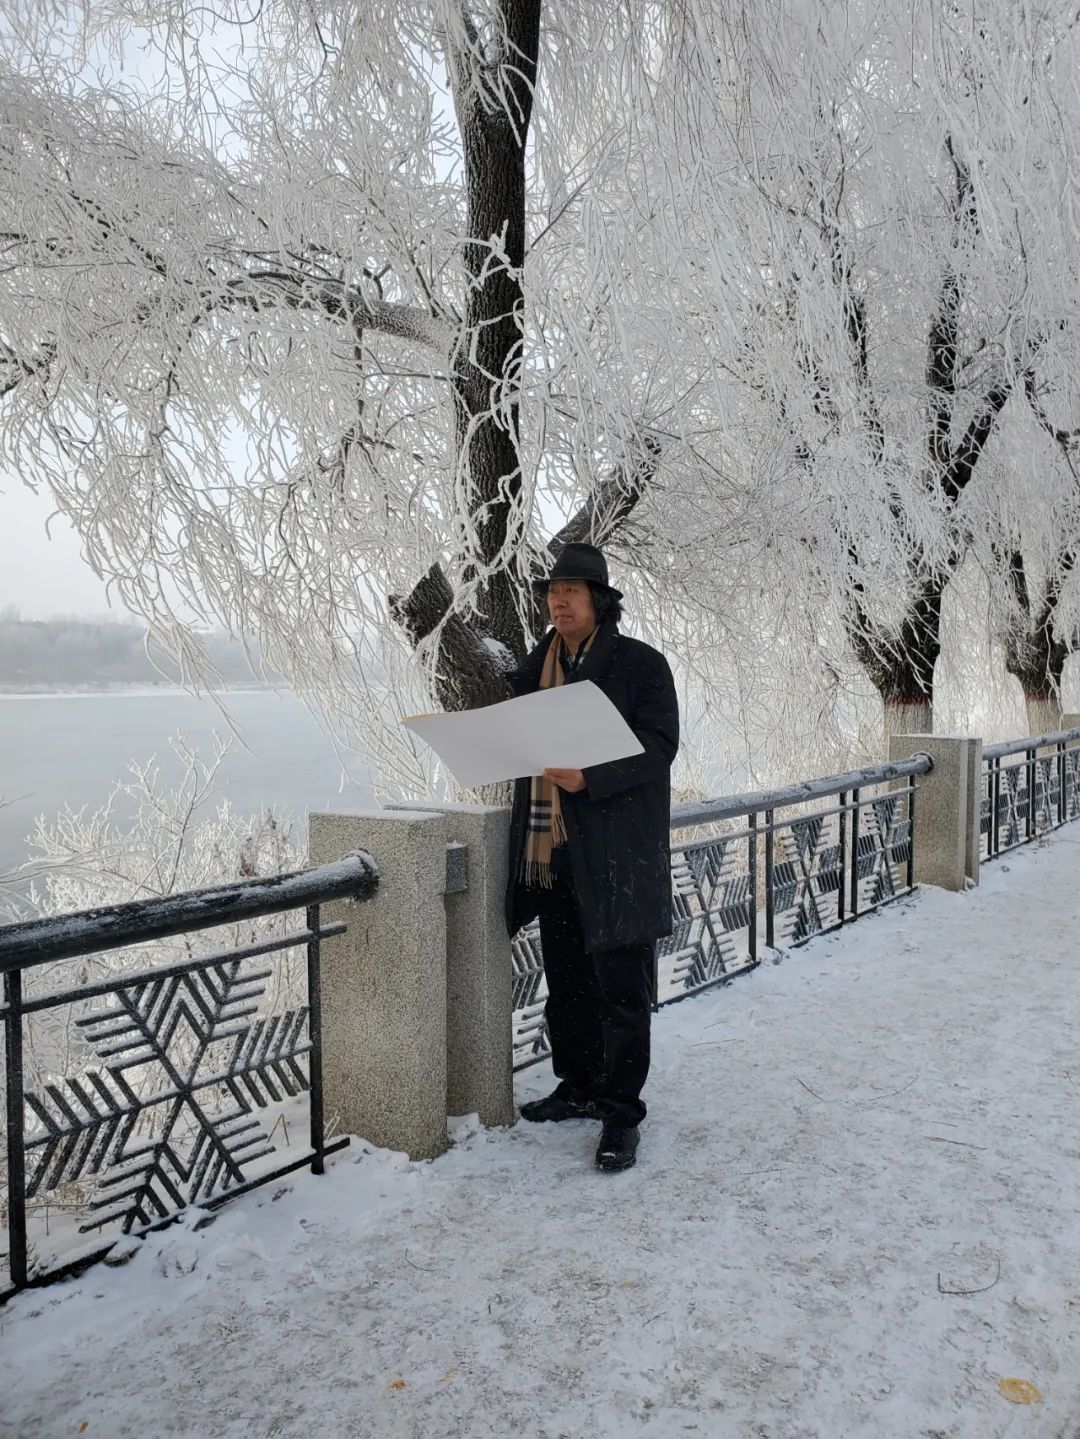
<point>735,891</point>
<point>1030,787</point>
<point>175,1076</point>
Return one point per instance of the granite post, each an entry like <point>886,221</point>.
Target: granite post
<point>479,967</point>
<point>975,789</point>
<point>947,805</point>
<point>384,982</point>
<point>1070,721</point>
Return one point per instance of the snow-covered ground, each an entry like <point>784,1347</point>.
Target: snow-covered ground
<point>855,1214</point>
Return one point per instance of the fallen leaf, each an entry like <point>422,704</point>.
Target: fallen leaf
<point>1019,1391</point>
<point>448,1376</point>
<point>397,1384</point>
<point>84,1426</point>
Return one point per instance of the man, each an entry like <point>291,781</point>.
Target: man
<point>590,854</point>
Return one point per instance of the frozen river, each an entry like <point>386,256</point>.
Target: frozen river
<point>70,749</point>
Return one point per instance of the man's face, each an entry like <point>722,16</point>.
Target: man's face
<point>571,608</point>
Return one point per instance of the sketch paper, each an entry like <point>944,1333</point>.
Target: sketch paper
<point>566,727</point>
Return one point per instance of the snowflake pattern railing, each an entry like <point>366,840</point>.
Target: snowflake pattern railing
<point>773,875</point>
<point>1029,787</point>
<point>185,1065</point>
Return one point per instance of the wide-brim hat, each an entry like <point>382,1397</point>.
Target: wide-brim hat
<point>581,562</point>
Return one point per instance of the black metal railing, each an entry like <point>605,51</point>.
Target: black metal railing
<point>1030,787</point>
<point>777,871</point>
<point>171,1065</point>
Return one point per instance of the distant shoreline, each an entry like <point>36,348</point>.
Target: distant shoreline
<point>118,691</point>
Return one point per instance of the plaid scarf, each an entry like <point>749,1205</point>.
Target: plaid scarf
<point>546,827</point>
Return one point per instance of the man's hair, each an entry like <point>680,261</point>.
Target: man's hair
<point>606,606</point>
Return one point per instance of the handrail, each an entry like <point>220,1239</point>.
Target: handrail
<point>708,811</point>
<point>67,936</point>
<point>1029,742</point>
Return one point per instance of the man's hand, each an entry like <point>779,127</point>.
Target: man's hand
<point>571,780</point>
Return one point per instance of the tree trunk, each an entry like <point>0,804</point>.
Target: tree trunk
<point>901,665</point>
<point>471,667</point>
<point>475,653</point>
<point>907,717</point>
<point>486,382</point>
<point>1043,712</point>
<point>473,658</point>
<point>472,664</point>
<point>1036,657</point>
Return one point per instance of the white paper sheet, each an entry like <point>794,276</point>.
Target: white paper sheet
<point>565,727</point>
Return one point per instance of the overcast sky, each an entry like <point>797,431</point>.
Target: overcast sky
<point>43,572</point>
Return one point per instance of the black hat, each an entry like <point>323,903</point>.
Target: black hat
<point>581,562</point>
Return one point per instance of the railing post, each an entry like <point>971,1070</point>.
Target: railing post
<point>841,888</point>
<point>994,785</point>
<point>1068,721</point>
<point>316,1087</point>
<point>770,879</point>
<point>1032,781</point>
<point>479,968</point>
<point>1059,767</point>
<point>946,829</point>
<point>16,1121</point>
<point>855,817</point>
<point>974,817</point>
<point>751,936</point>
<point>384,982</point>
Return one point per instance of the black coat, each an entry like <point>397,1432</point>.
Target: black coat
<point>618,829</point>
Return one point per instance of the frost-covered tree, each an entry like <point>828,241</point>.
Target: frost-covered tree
<point>1029,548</point>
<point>1037,638</point>
<point>905,220</point>
<point>174,837</point>
<point>316,316</point>
<point>326,322</point>
<point>150,838</point>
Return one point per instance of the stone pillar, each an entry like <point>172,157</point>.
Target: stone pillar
<point>479,968</point>
<point>975,790</point>
<point>1071,721</point>
<point>946,807</point>
<point>384,982</point>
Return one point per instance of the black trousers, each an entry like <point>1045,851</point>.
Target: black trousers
<point>599,1009</point>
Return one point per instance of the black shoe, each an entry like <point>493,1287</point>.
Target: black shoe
<point>618,1147</point>
<point>556,1107</point>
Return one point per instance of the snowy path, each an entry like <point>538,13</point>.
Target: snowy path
<point>830,1139</point>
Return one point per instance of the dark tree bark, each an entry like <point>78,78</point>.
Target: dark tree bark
<point>468,674</point>
<point>902,668</point>
<point>901,662</point>
<point>492,66</point>
<point>1035,649</point>
<point>1035,654</point>
<point>475,652</point>
<point>601,516</point>
<point>494,132</point>
<point>471,666</point>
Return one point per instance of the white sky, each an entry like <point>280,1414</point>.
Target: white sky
<point>42,570</point>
